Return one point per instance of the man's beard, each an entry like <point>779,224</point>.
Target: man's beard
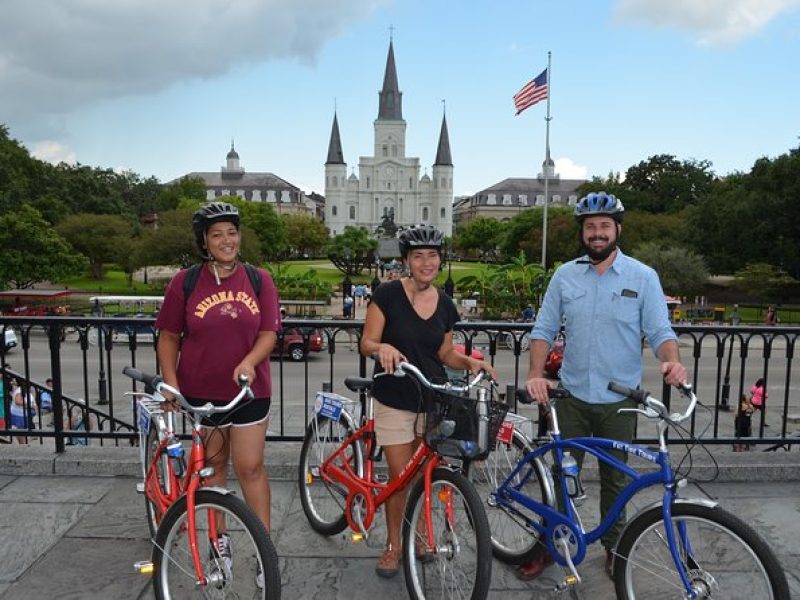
<point>598,256</point>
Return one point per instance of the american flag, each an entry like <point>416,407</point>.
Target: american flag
<point>533,92</point>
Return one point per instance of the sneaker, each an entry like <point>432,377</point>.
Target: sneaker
<point>259,577</point>
<point>223,549</point>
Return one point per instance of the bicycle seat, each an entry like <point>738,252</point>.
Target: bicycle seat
<point>357,384</point>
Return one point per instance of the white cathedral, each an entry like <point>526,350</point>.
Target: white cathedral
<point>389,182</point>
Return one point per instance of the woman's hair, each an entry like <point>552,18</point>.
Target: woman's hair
<point>759,382</point>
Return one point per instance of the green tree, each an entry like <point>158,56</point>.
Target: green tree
<point>100,238</point>
<point>524,233</point>
<point>353,250</point>
<point>262,219</point>
<point>682,272</point>
<point>31,251</point>
<point>305,234</point>
<point>764,281</point>
<point>186,188</point>
<point>481,236</point>
<point>668,185</point>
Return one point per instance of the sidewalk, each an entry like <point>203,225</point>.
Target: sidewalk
<point>76,526</point>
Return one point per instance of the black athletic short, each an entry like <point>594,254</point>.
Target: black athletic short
<point>249,412</point>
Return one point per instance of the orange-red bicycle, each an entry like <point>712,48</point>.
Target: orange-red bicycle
<point>206,541</point>
<point>445,535</point>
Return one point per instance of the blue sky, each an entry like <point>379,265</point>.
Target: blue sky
<point>161,86</point>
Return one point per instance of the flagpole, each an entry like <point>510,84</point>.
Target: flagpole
<point>546,168</point>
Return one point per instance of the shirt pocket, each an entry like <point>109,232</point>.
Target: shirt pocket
<point>623,309</point>
<point>574,303</point>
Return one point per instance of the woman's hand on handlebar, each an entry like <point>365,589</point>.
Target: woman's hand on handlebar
<point>476,366</point>
<point>538,387</point>
<point>246,369</point>
<point>389,357</point>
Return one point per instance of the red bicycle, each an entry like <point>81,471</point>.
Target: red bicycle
<point>206,541</point>
<point>445,535</point>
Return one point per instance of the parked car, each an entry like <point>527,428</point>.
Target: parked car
<point>293,343</point>
<point>10,340</point>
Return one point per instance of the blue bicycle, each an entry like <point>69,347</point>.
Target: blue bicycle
<point>675,548</point>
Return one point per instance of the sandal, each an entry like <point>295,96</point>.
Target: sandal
<point>389,562</point>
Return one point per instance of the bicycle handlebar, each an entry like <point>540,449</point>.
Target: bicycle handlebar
<point>157,383</point>
<point>405,367</point>
<point>525,398</point>
<point>644,398</point>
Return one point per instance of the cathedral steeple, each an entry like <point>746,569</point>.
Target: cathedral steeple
<point>335,155</point>
<point>443,151</point>
<point>391,99</point>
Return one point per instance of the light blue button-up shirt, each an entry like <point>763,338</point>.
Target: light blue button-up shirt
<point>604,317</point>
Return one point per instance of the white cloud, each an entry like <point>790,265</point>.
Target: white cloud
<point>54,152</point>
<point>713,22</point>
<point>57,55</point>
<point>569,170</point>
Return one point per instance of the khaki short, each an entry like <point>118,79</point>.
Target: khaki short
<point>394,426</point>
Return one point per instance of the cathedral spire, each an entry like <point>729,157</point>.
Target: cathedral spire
<point>335,155</point>
<point>391,99</point>
<point>443,157</point>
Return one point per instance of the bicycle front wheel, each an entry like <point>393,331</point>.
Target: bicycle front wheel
<point>512,541</point>
<point>253,568</point>
<point>459,565</point>
<point>152,443</point>
<point>721,555</point>
<point>324,502</point>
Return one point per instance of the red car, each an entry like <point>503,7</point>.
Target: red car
<point>293,343</point>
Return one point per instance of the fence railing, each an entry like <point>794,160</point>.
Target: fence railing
<point>84,356</point>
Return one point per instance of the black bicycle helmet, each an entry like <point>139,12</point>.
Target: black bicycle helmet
<point>420,236</point>
<point>212,213</point>
<point>599,203</point>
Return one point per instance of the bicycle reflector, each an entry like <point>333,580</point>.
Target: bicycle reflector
<point>143,567</point>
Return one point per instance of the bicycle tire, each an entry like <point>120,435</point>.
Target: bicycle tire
<point>324,503</point>
<point>728,559</point>
<point>174,574</point>
<point>152,442</point>
<point>462,548</point>
<point>512,542</point>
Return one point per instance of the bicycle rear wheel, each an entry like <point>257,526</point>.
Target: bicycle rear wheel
<point>324,502</point>
<point>174,574</point>
<point>512,541</point>
<point>460,562</point>
<point>722,556</point>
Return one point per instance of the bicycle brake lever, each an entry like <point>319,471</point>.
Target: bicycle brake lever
<point>647,412</point>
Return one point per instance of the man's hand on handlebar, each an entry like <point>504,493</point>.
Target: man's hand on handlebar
<point>538,389</point>
<point>674,373</point>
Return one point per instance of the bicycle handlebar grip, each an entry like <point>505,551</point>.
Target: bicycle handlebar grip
<point>524,397</point>
<point>136,374</point>
<point>638,395</point>
<point>243,380</point>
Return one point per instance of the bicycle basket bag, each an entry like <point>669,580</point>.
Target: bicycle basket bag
<point>446,412</point>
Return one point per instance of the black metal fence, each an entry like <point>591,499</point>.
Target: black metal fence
<point>84,356</point>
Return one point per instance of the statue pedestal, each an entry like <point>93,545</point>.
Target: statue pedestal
<point>388,248</point>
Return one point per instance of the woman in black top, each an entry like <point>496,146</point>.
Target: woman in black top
<point>409,319</point>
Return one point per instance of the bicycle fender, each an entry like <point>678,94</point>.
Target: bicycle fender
<point>658,505</point>
<point>220,490</point>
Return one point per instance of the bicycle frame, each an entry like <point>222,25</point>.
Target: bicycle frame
<point>337,468</point>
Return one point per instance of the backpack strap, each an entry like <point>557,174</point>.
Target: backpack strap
<point>255,278</point>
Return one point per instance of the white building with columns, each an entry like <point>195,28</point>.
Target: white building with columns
<point>388,182</point>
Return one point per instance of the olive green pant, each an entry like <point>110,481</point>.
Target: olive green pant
<point>581,419</point>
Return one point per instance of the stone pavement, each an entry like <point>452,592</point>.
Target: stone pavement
<point>72,527</point>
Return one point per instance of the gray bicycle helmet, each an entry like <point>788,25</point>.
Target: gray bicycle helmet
<point>212,212</point>
<point>599,203</point>
<point>420,236</point>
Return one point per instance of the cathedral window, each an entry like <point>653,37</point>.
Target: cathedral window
<point>410,183</point>
<point>335,181</point>
<point>394,150</point>
<point>388,185</point>
<point>367,182</point>
<point>333,210</point>
<point>352,213</point>
<point>444,183</point>
<point>385,150</point>
<point>443,213</point>
<point>425,213</point>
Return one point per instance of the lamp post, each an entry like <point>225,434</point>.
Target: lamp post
<point>449,285</point>
<point>102,388</point>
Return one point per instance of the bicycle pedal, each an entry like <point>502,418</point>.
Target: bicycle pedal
<point>356,537</point>
<point>567,583</point>
<point>143,567</point>
<point>140,487</point>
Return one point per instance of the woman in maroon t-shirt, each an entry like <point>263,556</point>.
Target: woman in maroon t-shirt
<point>219,332</point>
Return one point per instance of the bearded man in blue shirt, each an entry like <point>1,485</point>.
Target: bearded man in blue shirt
<point>606,301</point>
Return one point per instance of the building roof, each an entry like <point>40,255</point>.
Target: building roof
<point>443,151</point>
<point>335,155</point>
<point>243,180</point>
<point>390,106</point>
<point>529,185</point>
